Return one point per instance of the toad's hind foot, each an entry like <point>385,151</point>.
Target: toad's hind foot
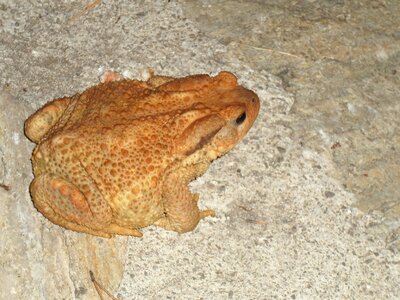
<point>116,229</point>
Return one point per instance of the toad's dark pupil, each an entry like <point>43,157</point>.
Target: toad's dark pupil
<point>241,118</point>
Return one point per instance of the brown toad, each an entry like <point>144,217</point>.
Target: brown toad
<point>119,156</point>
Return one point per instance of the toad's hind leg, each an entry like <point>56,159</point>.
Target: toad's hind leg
<point>181,211</point>
<point>63,204</point>
<point>38,124</point>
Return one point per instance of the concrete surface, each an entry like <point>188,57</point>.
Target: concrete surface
<point>307,204</point>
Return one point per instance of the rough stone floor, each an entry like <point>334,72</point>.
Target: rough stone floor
<point>307,205</point>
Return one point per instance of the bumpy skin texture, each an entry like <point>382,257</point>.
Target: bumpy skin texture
<point>119,156</point>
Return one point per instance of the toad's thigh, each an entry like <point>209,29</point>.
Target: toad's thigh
<point>62,202</point>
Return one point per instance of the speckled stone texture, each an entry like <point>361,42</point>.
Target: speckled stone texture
<point>288,198</point>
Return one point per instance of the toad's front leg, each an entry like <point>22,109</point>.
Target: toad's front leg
<point>181,211</point>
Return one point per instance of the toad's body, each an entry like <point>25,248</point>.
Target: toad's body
<point>119,156</point>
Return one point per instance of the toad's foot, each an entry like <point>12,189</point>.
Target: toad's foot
<point>181,211</point>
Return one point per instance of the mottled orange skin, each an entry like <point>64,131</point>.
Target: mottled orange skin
<point>119,156</point>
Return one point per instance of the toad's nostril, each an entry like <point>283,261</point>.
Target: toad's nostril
<point>241,118</point>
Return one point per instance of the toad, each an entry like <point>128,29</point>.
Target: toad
<point>119,156</point>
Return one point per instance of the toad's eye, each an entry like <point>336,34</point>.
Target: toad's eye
<point>241,118</point>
